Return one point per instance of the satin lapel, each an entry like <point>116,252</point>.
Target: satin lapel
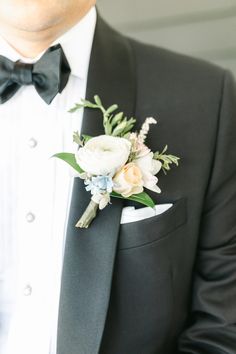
<point>89,254</point>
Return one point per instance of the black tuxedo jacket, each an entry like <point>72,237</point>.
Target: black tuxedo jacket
<point>165,285</point>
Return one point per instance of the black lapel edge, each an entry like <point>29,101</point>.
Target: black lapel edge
<point>111,76</point>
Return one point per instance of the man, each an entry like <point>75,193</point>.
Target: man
<point>163,285</point>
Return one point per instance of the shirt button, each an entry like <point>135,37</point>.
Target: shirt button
<point>32,143</point>
<point>30,217</point>
<point>27,290</point>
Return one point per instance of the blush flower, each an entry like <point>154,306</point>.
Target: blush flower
<point>128,180</point>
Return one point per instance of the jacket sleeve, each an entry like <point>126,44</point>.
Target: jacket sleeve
<point>211,327</point>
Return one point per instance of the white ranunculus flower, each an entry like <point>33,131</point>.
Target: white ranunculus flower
<point>149,167</point>
<point>103,155</point>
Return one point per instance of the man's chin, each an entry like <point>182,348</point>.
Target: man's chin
<point>29,27</point>
<point>30,20</point>
<point>35,27</point>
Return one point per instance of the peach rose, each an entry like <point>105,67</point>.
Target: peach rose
<point>128,180</point>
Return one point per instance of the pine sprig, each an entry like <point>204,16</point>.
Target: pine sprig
<point>114,124</point>
<point>165,159</point>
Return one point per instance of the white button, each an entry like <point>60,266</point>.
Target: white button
<point>30,217</point>
<point>27,290</point>
<point>32,143</point>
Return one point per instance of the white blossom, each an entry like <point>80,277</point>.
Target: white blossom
<point>149,168</point>
<point>103,155</point>
<point>145,129</point>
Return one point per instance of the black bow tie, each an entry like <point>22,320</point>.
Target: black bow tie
<point>49,75</point>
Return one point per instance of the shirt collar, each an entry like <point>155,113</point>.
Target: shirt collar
<point>76,43</point>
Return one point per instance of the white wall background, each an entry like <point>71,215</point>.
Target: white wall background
<point>202,28</point>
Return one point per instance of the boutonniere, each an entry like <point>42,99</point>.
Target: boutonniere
<point>118,163</point>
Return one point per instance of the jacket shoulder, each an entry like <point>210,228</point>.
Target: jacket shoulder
<point>159,62</point>
<point>156,59</point>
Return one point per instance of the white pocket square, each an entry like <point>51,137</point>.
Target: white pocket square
<point>130,214</point>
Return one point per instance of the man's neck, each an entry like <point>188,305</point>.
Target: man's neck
<point>30,45</point>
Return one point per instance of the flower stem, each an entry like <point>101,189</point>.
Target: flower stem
<point>88,216</point>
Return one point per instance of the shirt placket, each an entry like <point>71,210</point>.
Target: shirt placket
<point>34,237</point>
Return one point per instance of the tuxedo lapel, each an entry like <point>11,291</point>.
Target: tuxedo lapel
<point>90,253</point>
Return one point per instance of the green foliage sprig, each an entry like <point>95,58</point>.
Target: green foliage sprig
<point>165,159</point>
<point>80,140</point>
<point>115,124</point>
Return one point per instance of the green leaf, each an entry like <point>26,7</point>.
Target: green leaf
<point>127,129</point>
<point>70,159</point>
<point>86,138</point>
<point>119,128</point>
<point>117,118</point>
<point>75,108</point>
<point>111,109</point>
<point>97,100</point>
<point>88,104</point>
<point>108,129</point>
<point>142,198</point>
<point>77,139</point>
<point>165,149</point>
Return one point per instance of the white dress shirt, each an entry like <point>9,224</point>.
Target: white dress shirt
<point>34,198</point>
